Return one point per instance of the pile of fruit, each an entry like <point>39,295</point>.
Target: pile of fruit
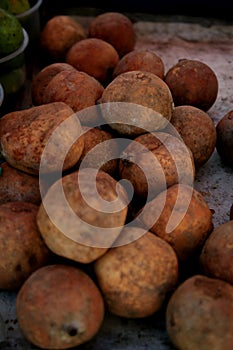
<point>76,241</point>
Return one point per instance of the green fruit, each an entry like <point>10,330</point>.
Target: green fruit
<point>19,6</point>
<point>15,6</point>
<point>11,33</point>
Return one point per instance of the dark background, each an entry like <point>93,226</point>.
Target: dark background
<point>195,8</point>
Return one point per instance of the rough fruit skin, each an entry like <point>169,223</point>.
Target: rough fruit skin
<point>224,144</point>
<point>115,28</point>
<point>145,96</point>
<point>192,83</point>
<point>197,130</point>
<point>144,59</point>
<point>22,248</point>
<point>216,255</point>
<point>136,277</point>
<point>199,315</point>
<point>59,307</point>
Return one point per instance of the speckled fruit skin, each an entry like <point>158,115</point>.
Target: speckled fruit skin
<point>77,89</point>
<point>24,134</point>
<point>135,278</point>
<point>190,233</point>
<point>95,57</point>
<point>197,130</point>
<point>108,149</point>
<point>216,255</point>
<point>42,79</point>
<point>59,34</point>
<point>224,144</point>
<point>22,248</point>
<point>156,164</point>
<point>150,98</point>
<point>199,314</point>
<point>85,245</point>
<point>140,59</point>
<point>59,307</point>
<point>115,28</point>
<point>192,82</point>
<point>16,185</point>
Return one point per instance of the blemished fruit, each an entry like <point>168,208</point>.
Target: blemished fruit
<point>140,59</point>
<point>224,144</point>
<point>81,228</point>
<point>136,102</point>
<point>59,34</point>
<point>197,130</point>
<point>192,82</point>
<point>22,248</point>
<point>216,255</point>
<point>95,57</point>
<point>136,277</point>
<point>59,307</point>
<point>115,28</point>
<point>199,314</point>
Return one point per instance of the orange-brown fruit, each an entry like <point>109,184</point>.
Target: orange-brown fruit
<point>136,102</point>
<point>135,277</point>
<point>82,225</point>
<point>115,28</point>
<point>180,216</point>
<point>216,255</point>
<point>16,185</point>
<point>192,82</point>
<point>59,34</point>
<point>59,307</point>
<point>41,139</point>
<point>77,89</point>
<point>104,156</point>
<point>154,161</point>
<point>42,78</point>
<point>22,248</point>
<point>197,130</point>
<point>140,59</point>
<point>95,57</point>
<point>199,314</point>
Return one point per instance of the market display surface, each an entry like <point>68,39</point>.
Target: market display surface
<point>123,313</point>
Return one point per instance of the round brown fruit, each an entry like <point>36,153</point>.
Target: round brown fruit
<point>22,248</point>
<point>95,57</point>
<point>104,157</point>
<point>136,102</point>
<point>42,78</point>
<point>180,216</point>
<point>80,227</point>
<point>144,59</point>
<point>25,134</point>
<point>16,185</point>
<point>192,82</point>
<point>135,278</point>
<point>199,314</point>
<point>224,144</point>
<point>154,161</point>
<point>77,89</point>
<point>115,28</point>
<point>59,34</point>
<point>216,255</point>
<point>59,307</point>
<point>197,130</point>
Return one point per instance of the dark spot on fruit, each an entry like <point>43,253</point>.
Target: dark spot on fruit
<point>72,330</point>
<point>18,268</point>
